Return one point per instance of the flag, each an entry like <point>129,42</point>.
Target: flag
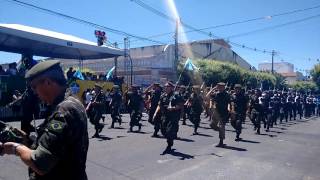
<point>110,72</point>
<point>190,66</point>
<point>78,75</point>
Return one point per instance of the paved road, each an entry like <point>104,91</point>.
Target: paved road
<point>290,151</point>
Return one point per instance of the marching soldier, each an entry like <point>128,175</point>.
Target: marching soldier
<point>154,101</point>
<point>194,103</point>
<point>115,103</point>
<point>221,101</point>
<point>135,102</point>
<point>239,104</point>
<point>95,109</point>
<point>185,96</point>
<point>170,106</point>
<point>256,110</point>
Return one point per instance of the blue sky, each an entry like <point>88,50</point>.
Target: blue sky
<point>296,43</point>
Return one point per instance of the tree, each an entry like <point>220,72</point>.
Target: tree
<point>315,74</point>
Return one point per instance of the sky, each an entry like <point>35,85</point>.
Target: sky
<point>297,43</point>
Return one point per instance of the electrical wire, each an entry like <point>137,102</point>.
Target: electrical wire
<point>74,19</point>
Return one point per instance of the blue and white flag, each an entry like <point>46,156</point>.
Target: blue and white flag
<point>110,72</point>
<point>190,66</point>
<point>78,75</point>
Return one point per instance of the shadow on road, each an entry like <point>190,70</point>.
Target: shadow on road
<point>232,148</point>
<point>103,138</point>
<point>184,139</point>
<point>270,135</point>
<point>180,155</point>
<point>205,135</point>
<point>279,132</point>
<point>249,141</point>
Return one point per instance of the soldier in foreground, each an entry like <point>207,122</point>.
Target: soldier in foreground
<point>95,109</point>
<point>115,103</point>
<point>194,103</point>
<point>60,150</point>
<point>170,106</point>
<point>221,102</point>
<point>238,109</point>
<point>135,101</point>
<point>155,95</point>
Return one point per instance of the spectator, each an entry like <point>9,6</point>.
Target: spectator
<point>2,72</point>
<point>12,69</point>
<point>70,73</point>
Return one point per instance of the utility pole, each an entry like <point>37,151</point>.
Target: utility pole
<point>273,53</point>
<point>127,61</point>
<point>115,61</point>
<point>176,48</point>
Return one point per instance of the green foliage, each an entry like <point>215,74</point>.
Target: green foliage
<point>303,86</point>
<point>213,72</point>
<point>315,73</point>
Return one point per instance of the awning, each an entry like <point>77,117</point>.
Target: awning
<point>21,39</point>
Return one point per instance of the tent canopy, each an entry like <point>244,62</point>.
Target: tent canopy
<point>21,39</point>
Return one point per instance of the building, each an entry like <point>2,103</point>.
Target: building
<point>157,63</point>
<point>279,67</point>
<point>285,69</point>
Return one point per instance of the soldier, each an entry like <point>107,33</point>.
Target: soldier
<point>135,101</point>
<point>221,101</point>
<point>299,105</point>
<point>60,149</point>
<point>115,104</point>
<point>194,103</point>
<point>185,96</point>
<point>95,109</point>
<point>239,105</point>
<point>170,106</point>
<point>256,110</point>
<point>154,101</point>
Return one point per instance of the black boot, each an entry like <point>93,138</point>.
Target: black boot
<point>220,143</point>
<point>139,127</point>
<point>130,130</point>
<point>238,137</point>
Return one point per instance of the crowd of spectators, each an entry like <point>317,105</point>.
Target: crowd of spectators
<point>11,71</point>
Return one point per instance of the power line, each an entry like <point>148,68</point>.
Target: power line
<point>159,13</point>
<point>274,27</point>
<point>193,29</point>
<point>74,19</point>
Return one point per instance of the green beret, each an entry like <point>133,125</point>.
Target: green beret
<point>40,68</point>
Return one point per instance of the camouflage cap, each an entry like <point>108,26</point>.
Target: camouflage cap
<point>41,68</point>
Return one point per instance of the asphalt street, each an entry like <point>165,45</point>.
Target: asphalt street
<point>290,151</point>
